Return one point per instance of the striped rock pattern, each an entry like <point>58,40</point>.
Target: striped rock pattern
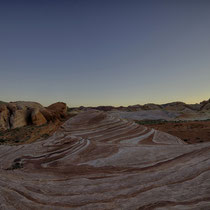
<point>98,161</point>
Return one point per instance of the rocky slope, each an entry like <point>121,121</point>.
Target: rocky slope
<point>21,113</point>
<point>190,131</point>
<point>174,106</point>
<point>99,161</point>
<point>170,112</point>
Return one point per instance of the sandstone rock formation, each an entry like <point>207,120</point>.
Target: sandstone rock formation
<point>4,117</point>
<point>205,105</point>
<point>22,113</point>
<point>174,106</point>
<point>59,110</point>
<point>151,107</point>
<point>174,111</point>
<point>98,161</point>
<point>37,117</point>
<point>19,118</point>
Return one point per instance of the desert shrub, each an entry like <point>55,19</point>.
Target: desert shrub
<point>17,160</point>
<point>15,165</point>
<point>2,141</point>
<point>151,122</point>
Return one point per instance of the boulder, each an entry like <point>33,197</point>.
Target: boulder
<point>57,110</point>
<point>48,115</point>
<point>37,118</point>
<point>22,113</point>
<point>19,118</point>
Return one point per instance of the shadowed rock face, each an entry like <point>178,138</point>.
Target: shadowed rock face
<point>98,161</point>
<point>4,117</point>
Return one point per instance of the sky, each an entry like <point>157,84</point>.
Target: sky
<point>105,52</point>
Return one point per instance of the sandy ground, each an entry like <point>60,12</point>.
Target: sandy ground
<point>190,132</point>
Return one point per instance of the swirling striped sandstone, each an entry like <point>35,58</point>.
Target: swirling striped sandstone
<point>97,161</point>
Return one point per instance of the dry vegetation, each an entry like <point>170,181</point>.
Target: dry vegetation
<point>30,133</point>
<point>189,131</point>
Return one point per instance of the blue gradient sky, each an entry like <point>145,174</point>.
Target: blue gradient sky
<point>105,52</point>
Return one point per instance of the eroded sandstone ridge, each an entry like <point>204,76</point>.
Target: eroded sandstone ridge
<point>98,161</point>
<point>170,111</point>
<point>22,113</point>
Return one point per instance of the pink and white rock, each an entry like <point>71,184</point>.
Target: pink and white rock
<point>99,161</point>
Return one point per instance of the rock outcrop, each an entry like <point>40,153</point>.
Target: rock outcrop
<point>4,117</point>
<point>22,113</point>
<point>98,161</point>
<point>205,105</point>
<point>151,107</point>
<point>37,118</point>
<point>170,111</point>
<point>59,110</point>
<point>19,118</point>
<point>173,106</point>
<point>54,112</point>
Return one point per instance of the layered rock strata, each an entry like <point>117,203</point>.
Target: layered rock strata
<point>98,161</point>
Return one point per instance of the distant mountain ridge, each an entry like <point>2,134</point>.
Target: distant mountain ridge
<point>22,113</point>
<point>173,106</point>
